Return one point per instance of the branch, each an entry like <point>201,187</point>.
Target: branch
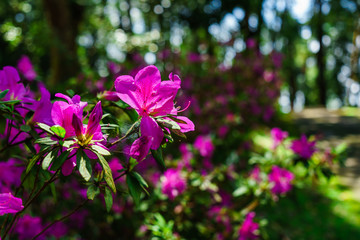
<point>61,219</point>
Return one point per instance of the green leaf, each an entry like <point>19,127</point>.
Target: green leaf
<point>178,132</point>
<point>108,175</point>
<point>176,119</point>
<point>30,145</point>
<point>132,163</point>
<point>134,188</point>
<point>70,92</point>
<point>46,141</point>
<point>133,115</point>
<point>108,199</point>
<point>3,93</point>
<point>158,156</point>
<point>25,128</point>
<point>168,137</point>
<point>240,191</point>
<point>10,101</point>
<point>35,158</point>
<point>92,192</point>
<point>100,150</point>
<point>141,181</point>
<point>57,163</point>
<point>84,165</point>
<point>49,158</point>
<point>168,123</point>
<point>67,143</point>
<point>58,130</point>
<point>45,127</point>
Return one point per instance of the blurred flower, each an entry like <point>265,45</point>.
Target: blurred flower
<point>251,43</point>
<point>10,204</point>
<point>10,174</point>
<point>26,68</point>
<point>221,216</point>
<point>303,148</point>
<point>278,136</point>
<point>172,183</point>
<point>255,174</point>
<point>204,144</point>
<point>186,156</point>
<point>27,227</point>
<point>249,229</point>
<point>281,179</point>
<point>58,230</point>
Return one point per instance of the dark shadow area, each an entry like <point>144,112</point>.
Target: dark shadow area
<point>306,214</point>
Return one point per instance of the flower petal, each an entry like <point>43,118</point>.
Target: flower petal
<point>140,148</point>
<point>186,127</point>
<point>146,80</point>
<point>128,92</point>
<point>149,127</point>
<point>9,204</point>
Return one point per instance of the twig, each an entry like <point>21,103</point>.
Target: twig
<point>61,219</point>
<point>123,137</point>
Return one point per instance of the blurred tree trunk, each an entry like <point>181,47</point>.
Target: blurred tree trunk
<point>63,18</point>
<point>321,82</point>
<point>355,52</point>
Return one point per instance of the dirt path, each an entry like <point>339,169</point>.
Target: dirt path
<point>336,128</point>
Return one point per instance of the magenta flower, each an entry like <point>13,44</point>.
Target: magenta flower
<point>42,108</point>
<point>10,204</point>
<point>26,68</point>
<point>281,180</point>
<point>172,184</point>
<point>204,144</point>
<point>303,148</point>
<point>278,136</point>
<point>249,229</point>
<point>62,112</point>
<point>9,79</point>
<point>27,227</point>
<point>70,117</point>
<point>10,174</point>
<point>151,98</point>
<point>92,131</point>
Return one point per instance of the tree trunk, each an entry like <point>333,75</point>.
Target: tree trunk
<point>63,18</point>
<point>321,82</point>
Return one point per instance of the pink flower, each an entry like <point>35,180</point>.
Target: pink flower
<point>9,80</point>
<point>151,98</point>
<point>255,174</point>
<point>10,204</point>
<point>10,173</point>
<point>62,112</point>
<point>278,136</point>
<point>42,112</point>
<point>186,156</point>
<point>70,117</point>
<point>204,145</point>
<point>281,180</point>
<point>303,148</point>
<point>27,227</point>
<point>26,68</point>
<point>249,229</point>
<point>172,184</point>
